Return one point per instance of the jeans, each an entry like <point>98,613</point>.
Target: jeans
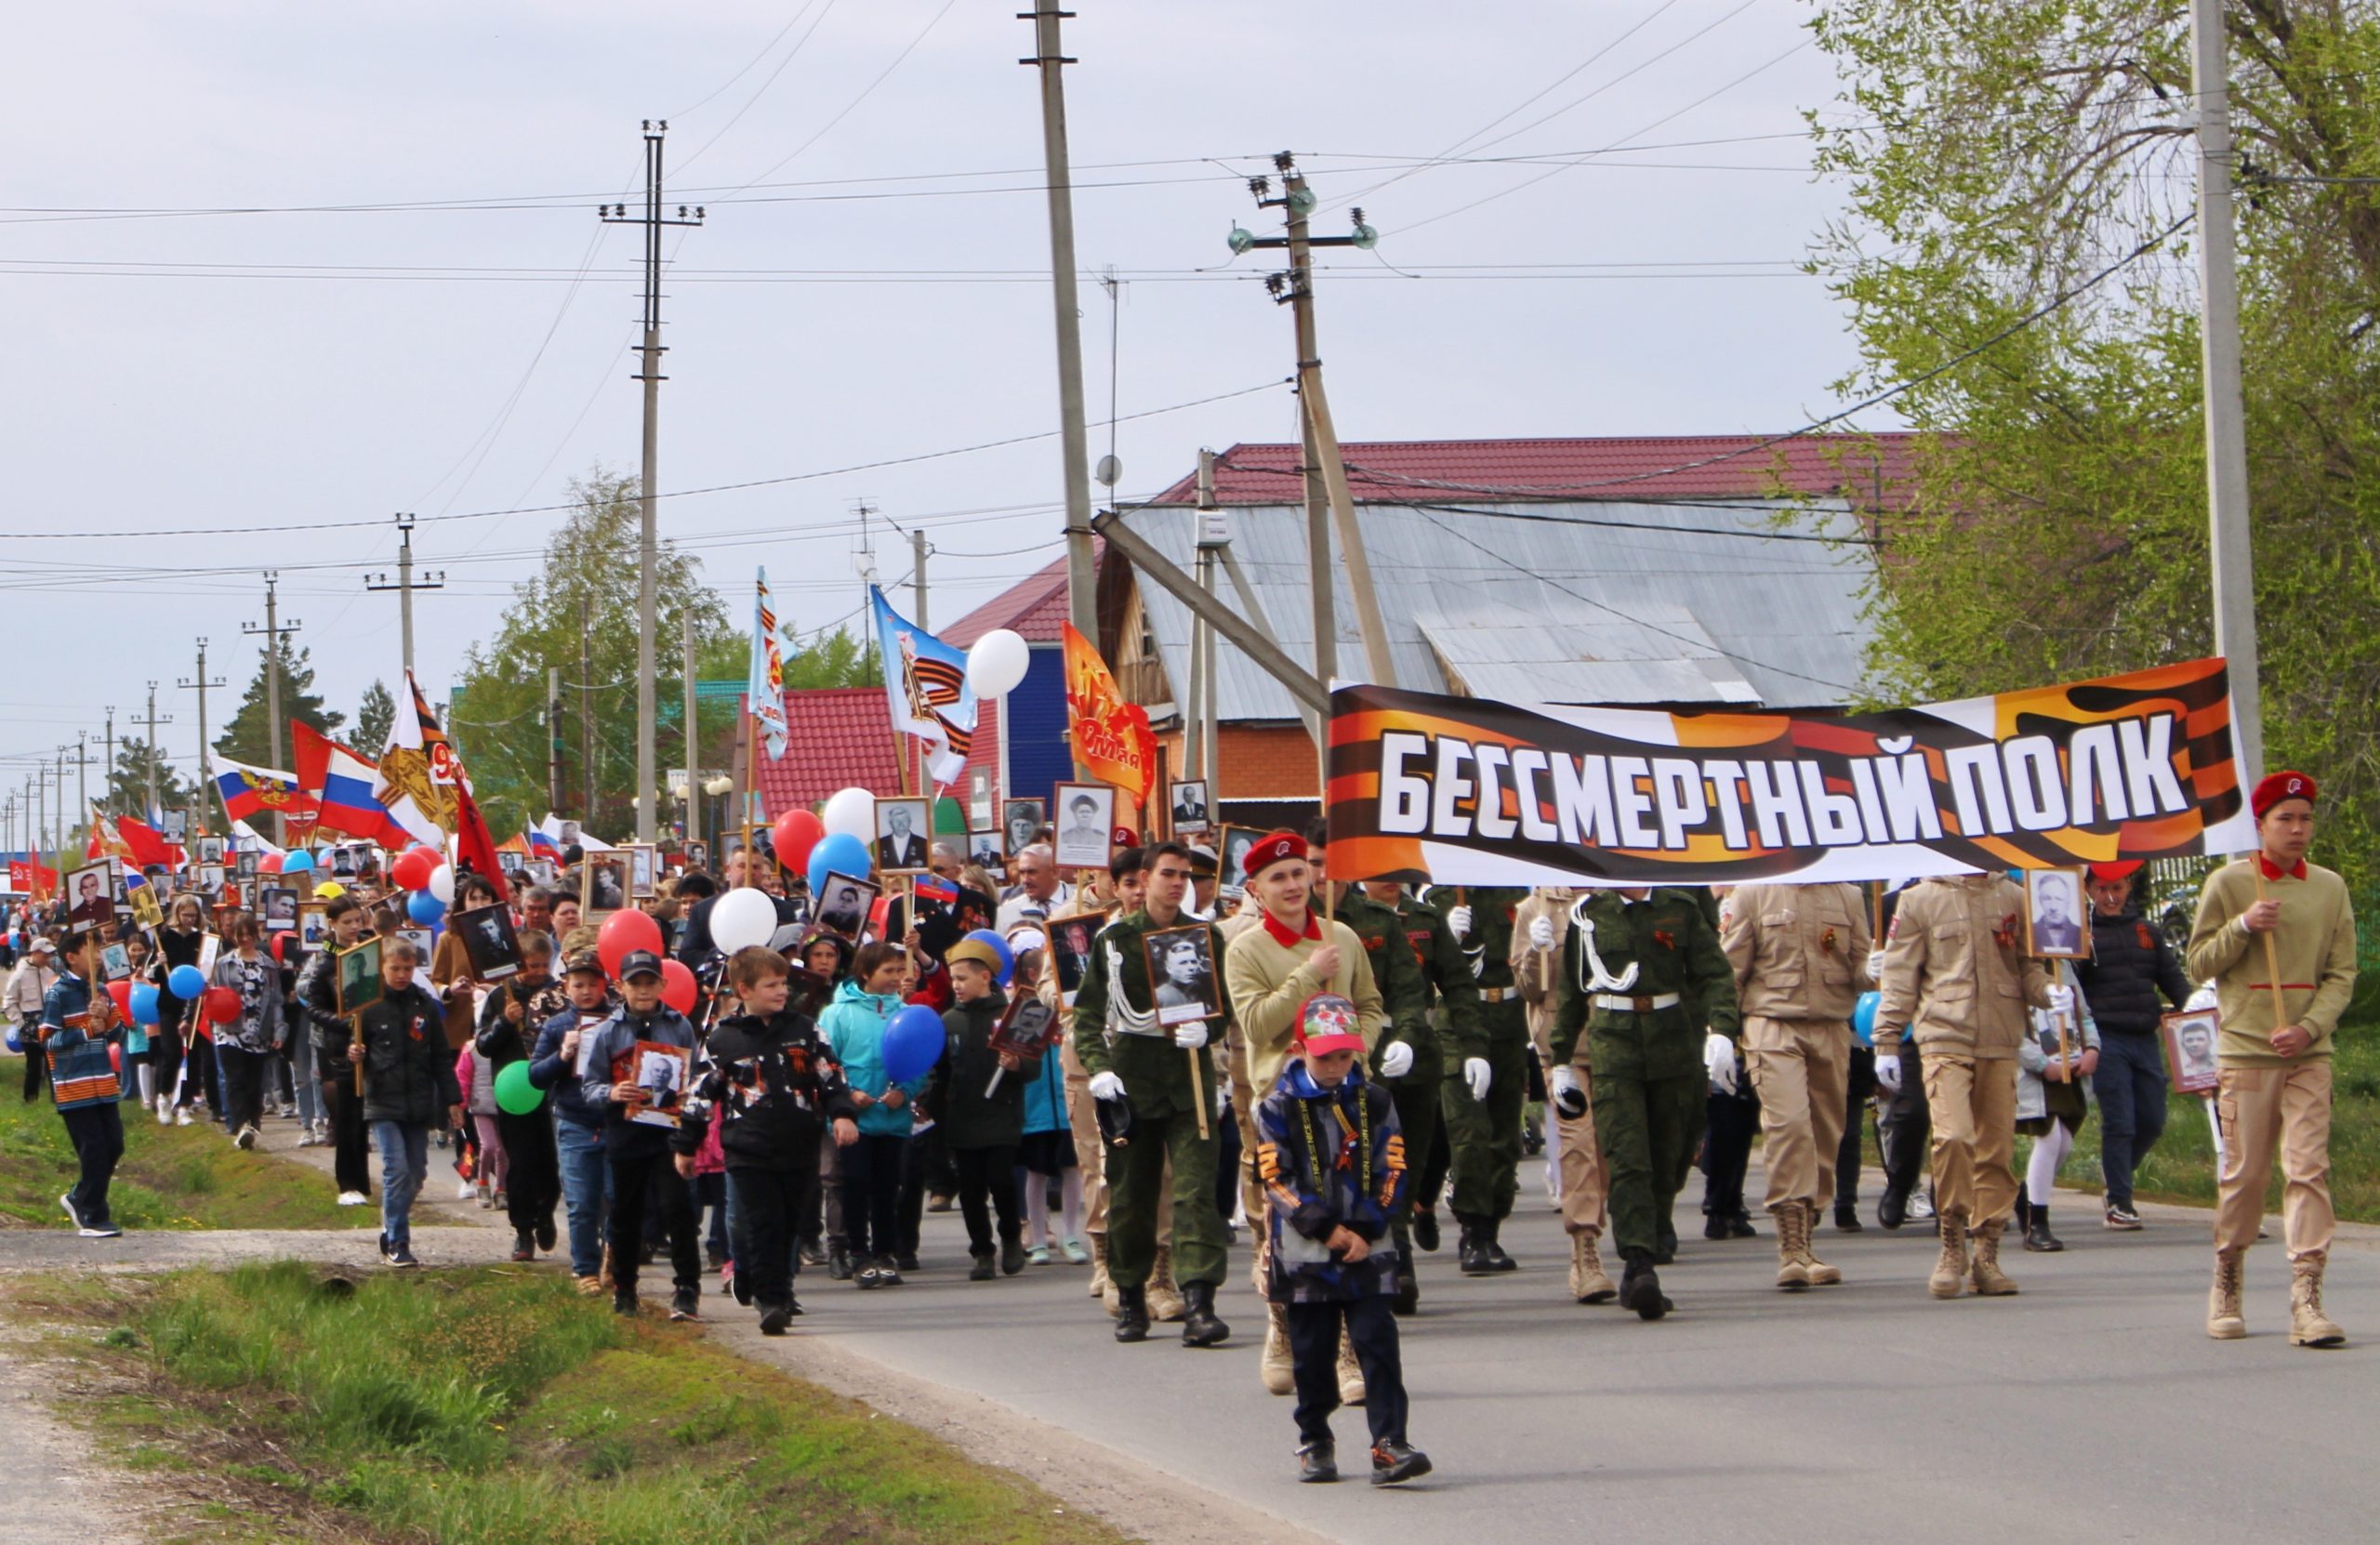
<point>1314,1358</point>
<point>585,1192</point>
<point>988,1183</point>
<point>301,1051</point>
<point>2129,1082</point>
<point>243,1074</point>
<point>872,1192</point>
<point>405,1164</point>
<point>97,1132</point>
<point>761,1207</point>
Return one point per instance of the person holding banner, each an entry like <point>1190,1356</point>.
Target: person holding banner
<point>1955,982</point>
<point>2278,936</point>
<point>1643,975</point>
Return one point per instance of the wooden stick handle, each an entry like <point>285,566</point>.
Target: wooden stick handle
<point>1197,1090</point>
<point>2272,955</point>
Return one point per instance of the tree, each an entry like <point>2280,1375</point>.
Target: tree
<point>835,659</point>
<point>2000,157</point>
<point>128,791</point>
<point>374,716</point>
<point>247,738</point>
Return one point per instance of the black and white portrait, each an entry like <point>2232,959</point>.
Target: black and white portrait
<point>210,849</point>
<point>1086,824</point>
<point>1023,821</point>
<point>607,882</point>
<point>2190,1040</point>
<point>1190,809</point>
<point>489,941</point>
<point>698,856</point>
<point>843,905</point>
<point>900,836</point>
<point>1182,974</point>
<point>984,852</point>
<point>645,869</point>
<point>2053,926</point>
<point>279,907</point>
<point>1231,861</point>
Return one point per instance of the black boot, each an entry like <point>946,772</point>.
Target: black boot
<point>1132,1314</point>
<point>2037,1237</point>
<point>982,1270</point>
<point>1892,1210</point>
<point>1665,1242</point>
<point>1716,1225</point>
<point>1740,1226</point>
<point>1317,1463</point>
<point>1846,1218</point>
<point>1426,1228</point>
<point>1199,1326</point>
<point>1492,1251</point>
<point>1469,1256</point>
<point>1640,1287</point>
<point>2024,1210</point>
<point>839,1260</point>
<point>1408,1297</point>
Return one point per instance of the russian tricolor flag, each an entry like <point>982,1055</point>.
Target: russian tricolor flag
<point>249,791</point>
<point>348,804</point>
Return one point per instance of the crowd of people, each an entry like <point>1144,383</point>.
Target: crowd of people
<point>1319,1065</point>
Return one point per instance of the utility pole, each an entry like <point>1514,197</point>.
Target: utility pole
<point>1295,289</point>
<point>1082,580</point>
<point>83,770</point>
<point>554,737</point>
<point>1202,754</point>
<point>272,632</point>
<point>205,763</point>
<point>2230,547</point>
<point>406,585</point>
<point>153,722</point>
<point>586,707</point>
<point>648,554</point>
<point>106,789</point>
<point>693,736</point>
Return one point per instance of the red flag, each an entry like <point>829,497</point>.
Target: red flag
<point>313,755</point>
<point>145,845</point>
<point>474,843</point>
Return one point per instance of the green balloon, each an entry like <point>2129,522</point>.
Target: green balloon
<point>514,1093</point>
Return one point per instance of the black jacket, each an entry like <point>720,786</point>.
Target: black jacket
<point>408,1067</point>
<point>778,1087</point>
<point>954,1093</point>
<point>2130,964</point>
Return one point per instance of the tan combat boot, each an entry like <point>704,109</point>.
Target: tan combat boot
<point>1821,1274</point>
<point>2225,1322</point>
<point>1099,1283</point>
<point>1990,1280</point>
<point>2308,1324</point>
<point>1588,1283</point>
<point>1165,1299</point>
<point>1950,1268</point>
<point>1351,1373</point>
<point>1792,1273</point>
<point>1280,1378</point>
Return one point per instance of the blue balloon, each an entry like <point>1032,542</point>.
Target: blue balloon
<point>186,983</point>
<point>912,1042</point>
<point>840,853</point>
<point>999,947</point>
<point>296,861</point>
<point>424,908</point>
<point>144,1003</point>
<point>1863,1019</point>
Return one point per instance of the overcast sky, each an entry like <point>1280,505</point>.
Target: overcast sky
<point>197,379</point>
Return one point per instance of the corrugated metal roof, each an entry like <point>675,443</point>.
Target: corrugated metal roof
<point>1786,615</point>
<point>1034,607</point>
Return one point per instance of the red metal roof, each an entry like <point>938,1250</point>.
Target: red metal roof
<point>1632,468</point>
<point>840,738</point>
<point>1032,607</point>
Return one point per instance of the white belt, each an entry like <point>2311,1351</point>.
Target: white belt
<point>1623,1005</point>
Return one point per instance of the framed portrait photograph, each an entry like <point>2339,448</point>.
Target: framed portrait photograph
<point>2191,1037</point>
<point>343,862</point>
<point>90,896</point>
<point>513,865</point>
<point>210,949</point>
<point>2057,927</point>
<point>358,977</point>
<point>1184,983</point>
<point>843,903</point>
<point>116,962</point>
<point>541,871</point>
<point>313,926</point>
<point>984,850</point>
<point>173,826</point>
<point>570,833</point>
<point>1231,856</point>
<point>243,863</point>
<point>278,905</point>
<point>901,836</point>
<point>210,879</point>
<point>489,940</point>
<point>603,880</point>
<point>421,939</point>
<point>698,856</point>
<point>661,1074</point>
<point>645,869</point>
<point>145,910</point>
<point>1026,1030</point>
<point>1086,824</point>
<point>1021,820</point>
<point>210,849</point>
<point>1189,808</point>
<point>1071,941</point>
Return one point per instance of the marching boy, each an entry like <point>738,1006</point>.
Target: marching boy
<point>78,1031</point>
<point>1333,1167</point>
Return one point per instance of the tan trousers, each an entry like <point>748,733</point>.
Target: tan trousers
<point>2260,1106</point>
<point>1091,1153</point>
<point>1801,1069</point>
<point>1972,1103</point>
<point>1584,1191</point>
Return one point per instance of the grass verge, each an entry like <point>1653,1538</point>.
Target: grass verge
<point>170,1177</point>
<point>488,1406</point>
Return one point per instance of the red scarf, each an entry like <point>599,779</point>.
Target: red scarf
<point>1287,939</point>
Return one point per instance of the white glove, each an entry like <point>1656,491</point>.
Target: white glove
<point>1875,965</point>
<point>1190,1036</point>
<point>1460,920</point>
<point>1719,1059</point>
<point>1397,1061</point>
<point>1540,933</point>
<point>2061,999</point>
<point>1107,1086</point>
<point>1888,1073</point>
<point>1569,1098</point>
<point>1477,1073</point>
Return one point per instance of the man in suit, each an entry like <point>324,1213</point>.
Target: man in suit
<point>1189,806</point>
<point>899,847</point>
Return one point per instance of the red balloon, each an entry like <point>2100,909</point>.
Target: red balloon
<point>270,864</point>
<point>798,831</point>
<point>122,993</point>
<point>413,870</point>
<point>282,943</point>
<point>677,986</point>
<point>623,932</point>
<point>222,1005</point>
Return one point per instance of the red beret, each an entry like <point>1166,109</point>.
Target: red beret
<point>1124,836</point>
<point>2276,786</point>
<point>1273,849</point>
<point>2107,874</point>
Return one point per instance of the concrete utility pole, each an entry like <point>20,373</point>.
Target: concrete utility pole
<point>2230,547</point>
<point>1295,289</point>
<point>82,772</point>
<point>693,727</point>
<point>106,789</point>
<point>554,737</point>
<point>648,549</point>
<point>587,705</point>
<point>1214,539</point>
<point>200,683</point>
<point>152,812</point>
<point>405,585</point>
<point>1082,578</point>
<point>272,632</point>
<point>918,579</point>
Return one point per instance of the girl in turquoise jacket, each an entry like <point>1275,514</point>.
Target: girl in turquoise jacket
<point>854,1024</point>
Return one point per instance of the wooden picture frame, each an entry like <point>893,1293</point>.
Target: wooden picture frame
<point>645,869</point>
<point>2057,921</point>
<point>1231,856</point>
<point>1188,810</point>
<point>2194,1066</point>
<point>1084,808</point>
<point>845,899</point>
<point>1071,941</point>
<point>603,885</point>
<point>1177,997</point>
<point>1022,822</point>
<point>313,925</point>
<point>904,839</point>
<point>490,941</point>
<point>358,976</point>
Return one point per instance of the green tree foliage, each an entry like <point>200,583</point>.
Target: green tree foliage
<point>128,790</point>
<point>374,716</point>
<point>836,659</point>
<point>2000,156</point>
<point>247,738</point>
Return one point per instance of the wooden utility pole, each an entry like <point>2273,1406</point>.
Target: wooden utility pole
<point>200,683</point>
<point>153,722</point>
<point>405,585</point>
<point>273,631</point>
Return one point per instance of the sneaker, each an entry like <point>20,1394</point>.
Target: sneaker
<point>466,1190</point>
<point>1393,1462</point>
<point>737,1287</point>
<point>2122,1219</point>
<point>590,1285</point>
<point>165,1110</point>
<point>1920,1207</point>
<point>181,1116</point>
<point>352,1198</point>
<point>865,1274</point>
<point>624,1301</point>
<point>906,1260</point>
<point>1039,1255</point>
<point>101,1230</point>
<point>1011,1256</point>
<point>245,1138</point>
<point>73,1213</point>
<point>775,1319</point>
<point>684,1304</point>
<point>546,1237</point>
<point>402,1257</point>
<point>814,1251</point>
<point>498,1201</point>
<point>306,1138</point>
<point>523,1246</point>
<point>982,1270</point>
<point>1318,1465</point>
<point>1073,1250</point>
<point>888,1270</point>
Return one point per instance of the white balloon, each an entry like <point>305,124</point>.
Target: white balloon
<point>853,812</point>
<point>742,917</point>
<point>441,883</point>
<point>997,663</point>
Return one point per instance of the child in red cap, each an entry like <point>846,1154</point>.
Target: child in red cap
<point>1333,1167</point>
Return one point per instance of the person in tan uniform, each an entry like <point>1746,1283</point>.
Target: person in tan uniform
<point>1954,981</point>
<point>1287,955</point>
<point>2272,912</point>
<point>1539,922</point>
<point>1800,952</point>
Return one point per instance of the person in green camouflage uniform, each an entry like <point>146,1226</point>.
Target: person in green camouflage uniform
<point>1482,1105</point>
<point>1642,975</point>
<point>1117,1038</point>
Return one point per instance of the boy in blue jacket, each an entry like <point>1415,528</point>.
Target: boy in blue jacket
<point>1333,1167</point>
<point>78,1028</point>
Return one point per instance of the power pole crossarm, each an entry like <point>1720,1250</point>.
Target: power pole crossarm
<point>407,581</point>
<point>201,683</point>
<point>272,632</point>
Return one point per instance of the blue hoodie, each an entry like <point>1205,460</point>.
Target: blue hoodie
<point>853,1024</point>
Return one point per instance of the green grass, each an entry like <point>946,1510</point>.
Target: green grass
<point>170,1177</point>
<point>490,1406</point>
